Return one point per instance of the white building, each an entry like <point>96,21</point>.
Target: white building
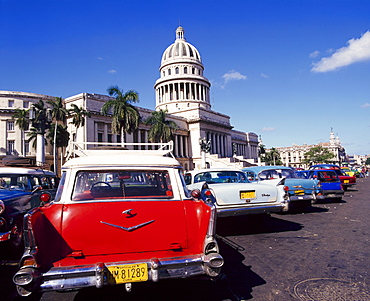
<point>181,89</point>
<point>294,155</point>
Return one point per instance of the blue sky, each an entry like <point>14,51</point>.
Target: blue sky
<point>286,70</point>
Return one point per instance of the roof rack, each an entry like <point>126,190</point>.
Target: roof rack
<point>83,149</point>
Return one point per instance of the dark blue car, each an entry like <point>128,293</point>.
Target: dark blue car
<point>20,190</point>
<point>328,181</point>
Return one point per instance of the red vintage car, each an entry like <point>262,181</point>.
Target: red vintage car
<point>347,181</point>
<point>119,217</point>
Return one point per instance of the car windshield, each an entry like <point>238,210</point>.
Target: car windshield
<point>221,177</point>
<point>114,184</point>
<point>270,174</point>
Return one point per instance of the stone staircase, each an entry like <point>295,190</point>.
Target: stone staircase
<point>237,162</point>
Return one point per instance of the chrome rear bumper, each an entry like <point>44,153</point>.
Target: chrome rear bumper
<point>76,277</point>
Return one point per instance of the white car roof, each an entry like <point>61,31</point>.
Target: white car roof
<point>114,159</point>
<point>196,171</point>
<point>23,170</point>
<point>113,155</point>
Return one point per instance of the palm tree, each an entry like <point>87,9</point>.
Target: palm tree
<point>273,157</point>
<point>58,113</point>
<point>62,135</point>
<point>40,123</point>
<point>40,108</point>
<point>125,116</point>
<point>161,129</point>
<point>78,115</point>
<point>32,137</point>
<point>22,121</point>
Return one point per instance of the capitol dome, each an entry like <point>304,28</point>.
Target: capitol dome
<point>180,50</point>
<point>181,85</point>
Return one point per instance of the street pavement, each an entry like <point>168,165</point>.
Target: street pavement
<point>320,254</point>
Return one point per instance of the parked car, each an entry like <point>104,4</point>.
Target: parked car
<point>347,181</point>
<point>236,195</point>
<point>302,192</point>
<point>328,181</point>
<point>119,217</point>
<point>348,171</point>
<point>20,189</point>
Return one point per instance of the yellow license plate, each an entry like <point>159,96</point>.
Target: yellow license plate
<point>247,194</point>
<point>299,192</point>
<point>127,273</point>
<point>346,181</point>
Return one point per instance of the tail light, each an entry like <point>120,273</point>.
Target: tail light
<point>2,206</point>
<point>286,188</point>
<point>45,197</point>
<point>196,194</point>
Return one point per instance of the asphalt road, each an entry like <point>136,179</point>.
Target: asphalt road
<point>320,254</point>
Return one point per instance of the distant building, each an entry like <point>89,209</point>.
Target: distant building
<point>182,90</point>
<point>357,160</point>
<point>294,155</point>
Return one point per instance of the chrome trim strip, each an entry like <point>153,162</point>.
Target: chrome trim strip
<point>130,228</point>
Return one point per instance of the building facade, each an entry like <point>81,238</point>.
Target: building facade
<point>181,89</point>
<point>294,155</point>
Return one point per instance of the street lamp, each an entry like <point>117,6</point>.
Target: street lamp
<point>41,120</point>
<point>205,147</point>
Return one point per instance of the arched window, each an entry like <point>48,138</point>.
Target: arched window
<point>177,70</point>
<point>185,70</point>
<point>169,71</point>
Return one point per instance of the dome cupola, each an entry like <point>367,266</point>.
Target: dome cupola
<point>180,50</point>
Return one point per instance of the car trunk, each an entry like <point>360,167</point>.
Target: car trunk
<point>116,227</point>
<point>240,193</point>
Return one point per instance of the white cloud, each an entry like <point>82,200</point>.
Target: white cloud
<point>264,75</point>
<point>233,75</point>
<point>268,129</point>
<point>315,54</point>
<point>357,50</point>
<point>365,105</point>
<point>112,71</point>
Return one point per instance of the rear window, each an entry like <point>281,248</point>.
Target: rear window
<point>276,174</point>
<point>327,176</point>
<point>122,184</point>
<point>212,177</point>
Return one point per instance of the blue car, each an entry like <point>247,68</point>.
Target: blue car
<point>302,192</point>
<point>329,182</point>
<point>20,190</point>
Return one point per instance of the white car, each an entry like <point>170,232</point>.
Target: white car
<point>236,195</point>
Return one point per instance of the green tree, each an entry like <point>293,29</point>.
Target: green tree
<point>125,116</point>
<point>39,124</point>
<point>40,108</point>
<point>58,113</point>
<point>62,135</point>
<point>367,162</point>
<point>32,137</point>
<point>272,157</point>
<point>318,154</point>
<point>78,115</point>
<point>23,123</point>
<point>161,129</point>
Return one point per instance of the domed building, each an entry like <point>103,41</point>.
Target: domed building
<point>184,92</point>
